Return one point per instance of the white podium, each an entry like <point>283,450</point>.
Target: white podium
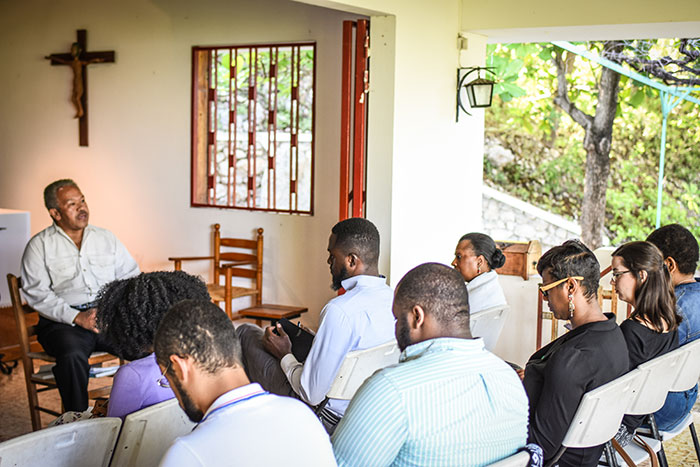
<point>14,235</point>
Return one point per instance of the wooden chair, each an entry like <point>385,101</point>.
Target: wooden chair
<point>41,381</point>
<point>85,443</point>
<point>237,257</point>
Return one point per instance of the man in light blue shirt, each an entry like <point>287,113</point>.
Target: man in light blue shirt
<point>448,401</point>
<point>681,253</point>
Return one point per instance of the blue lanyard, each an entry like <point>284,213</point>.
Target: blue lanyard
<point>232,403</point>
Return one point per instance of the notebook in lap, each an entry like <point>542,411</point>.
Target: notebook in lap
<point>301,339</point>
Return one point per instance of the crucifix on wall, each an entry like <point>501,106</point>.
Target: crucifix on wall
<point>78,59</point>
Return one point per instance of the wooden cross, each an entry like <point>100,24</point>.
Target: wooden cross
<point>78,59</point>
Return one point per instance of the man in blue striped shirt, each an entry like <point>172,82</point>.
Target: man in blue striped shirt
<point>448,401</point>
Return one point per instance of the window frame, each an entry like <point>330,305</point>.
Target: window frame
<point>195,139</point>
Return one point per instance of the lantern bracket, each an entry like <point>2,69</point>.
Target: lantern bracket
<point>462,74</point>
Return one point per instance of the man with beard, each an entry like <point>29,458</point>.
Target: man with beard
<point>63,268</point>
<point>239,423</point>
<point>448,401</point>
<point>359,319</point>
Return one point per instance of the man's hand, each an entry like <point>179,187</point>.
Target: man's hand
<point>87,319</point>
<point>309,330</point>
<point>277,345</point>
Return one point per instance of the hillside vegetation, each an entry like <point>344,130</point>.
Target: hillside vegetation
<point>547,163</point>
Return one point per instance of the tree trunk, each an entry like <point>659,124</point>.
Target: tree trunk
<point>597,142</point>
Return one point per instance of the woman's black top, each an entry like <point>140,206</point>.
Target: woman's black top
<point>644,344</point>
<point>559,374</point>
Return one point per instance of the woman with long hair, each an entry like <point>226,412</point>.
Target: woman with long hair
<point>476,257</point>
<point>642,279</point>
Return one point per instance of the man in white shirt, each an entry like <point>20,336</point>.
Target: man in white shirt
<point>238,423</point>
<point>359,319</point>
<point>63,268</point>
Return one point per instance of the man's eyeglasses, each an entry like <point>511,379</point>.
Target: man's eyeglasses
<point>546,288</point>
<point>163,381</point>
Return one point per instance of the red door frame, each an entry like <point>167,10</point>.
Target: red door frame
<point>353,120</point>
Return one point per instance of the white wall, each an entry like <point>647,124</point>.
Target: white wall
<point>135,173</point>
<point>431,186</point>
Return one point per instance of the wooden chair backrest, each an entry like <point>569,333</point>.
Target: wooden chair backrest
<point>21,310</point>
<point>253,261</point>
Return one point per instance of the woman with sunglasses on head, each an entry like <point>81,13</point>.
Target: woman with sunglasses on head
<point>642,279</point>
<point>476,257</point>
<point>593,353</point>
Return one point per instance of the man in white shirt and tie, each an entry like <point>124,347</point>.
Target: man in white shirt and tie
<point>63,268</point>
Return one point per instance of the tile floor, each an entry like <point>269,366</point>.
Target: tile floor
<point>14,409</point>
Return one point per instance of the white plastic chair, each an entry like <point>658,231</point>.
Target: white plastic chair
<point>357,367</point>
<point>599,414</point>
<point>360,365</point>
<point>488,324</point>
<point>86,443</point>
<point>688,359</point>
<point>658,374</point>
<point>519,459</point>
<point>148,433</point>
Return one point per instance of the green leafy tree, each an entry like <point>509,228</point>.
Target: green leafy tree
<point>553,151</point>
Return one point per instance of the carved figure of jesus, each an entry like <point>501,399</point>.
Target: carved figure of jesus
<point>76,65</point>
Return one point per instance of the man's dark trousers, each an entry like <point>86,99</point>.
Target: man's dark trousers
<point>71,346</point>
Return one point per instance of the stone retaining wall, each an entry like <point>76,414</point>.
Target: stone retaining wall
<point>508,218</point>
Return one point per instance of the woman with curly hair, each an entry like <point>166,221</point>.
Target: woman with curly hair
<point>642,279</point>
<point>128,313</point>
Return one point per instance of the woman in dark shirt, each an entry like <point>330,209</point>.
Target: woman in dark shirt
<point>642,279</point>
<point>593,353</point>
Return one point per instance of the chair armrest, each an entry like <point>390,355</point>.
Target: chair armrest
<point>179,259</point>
<point>189,258</point>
